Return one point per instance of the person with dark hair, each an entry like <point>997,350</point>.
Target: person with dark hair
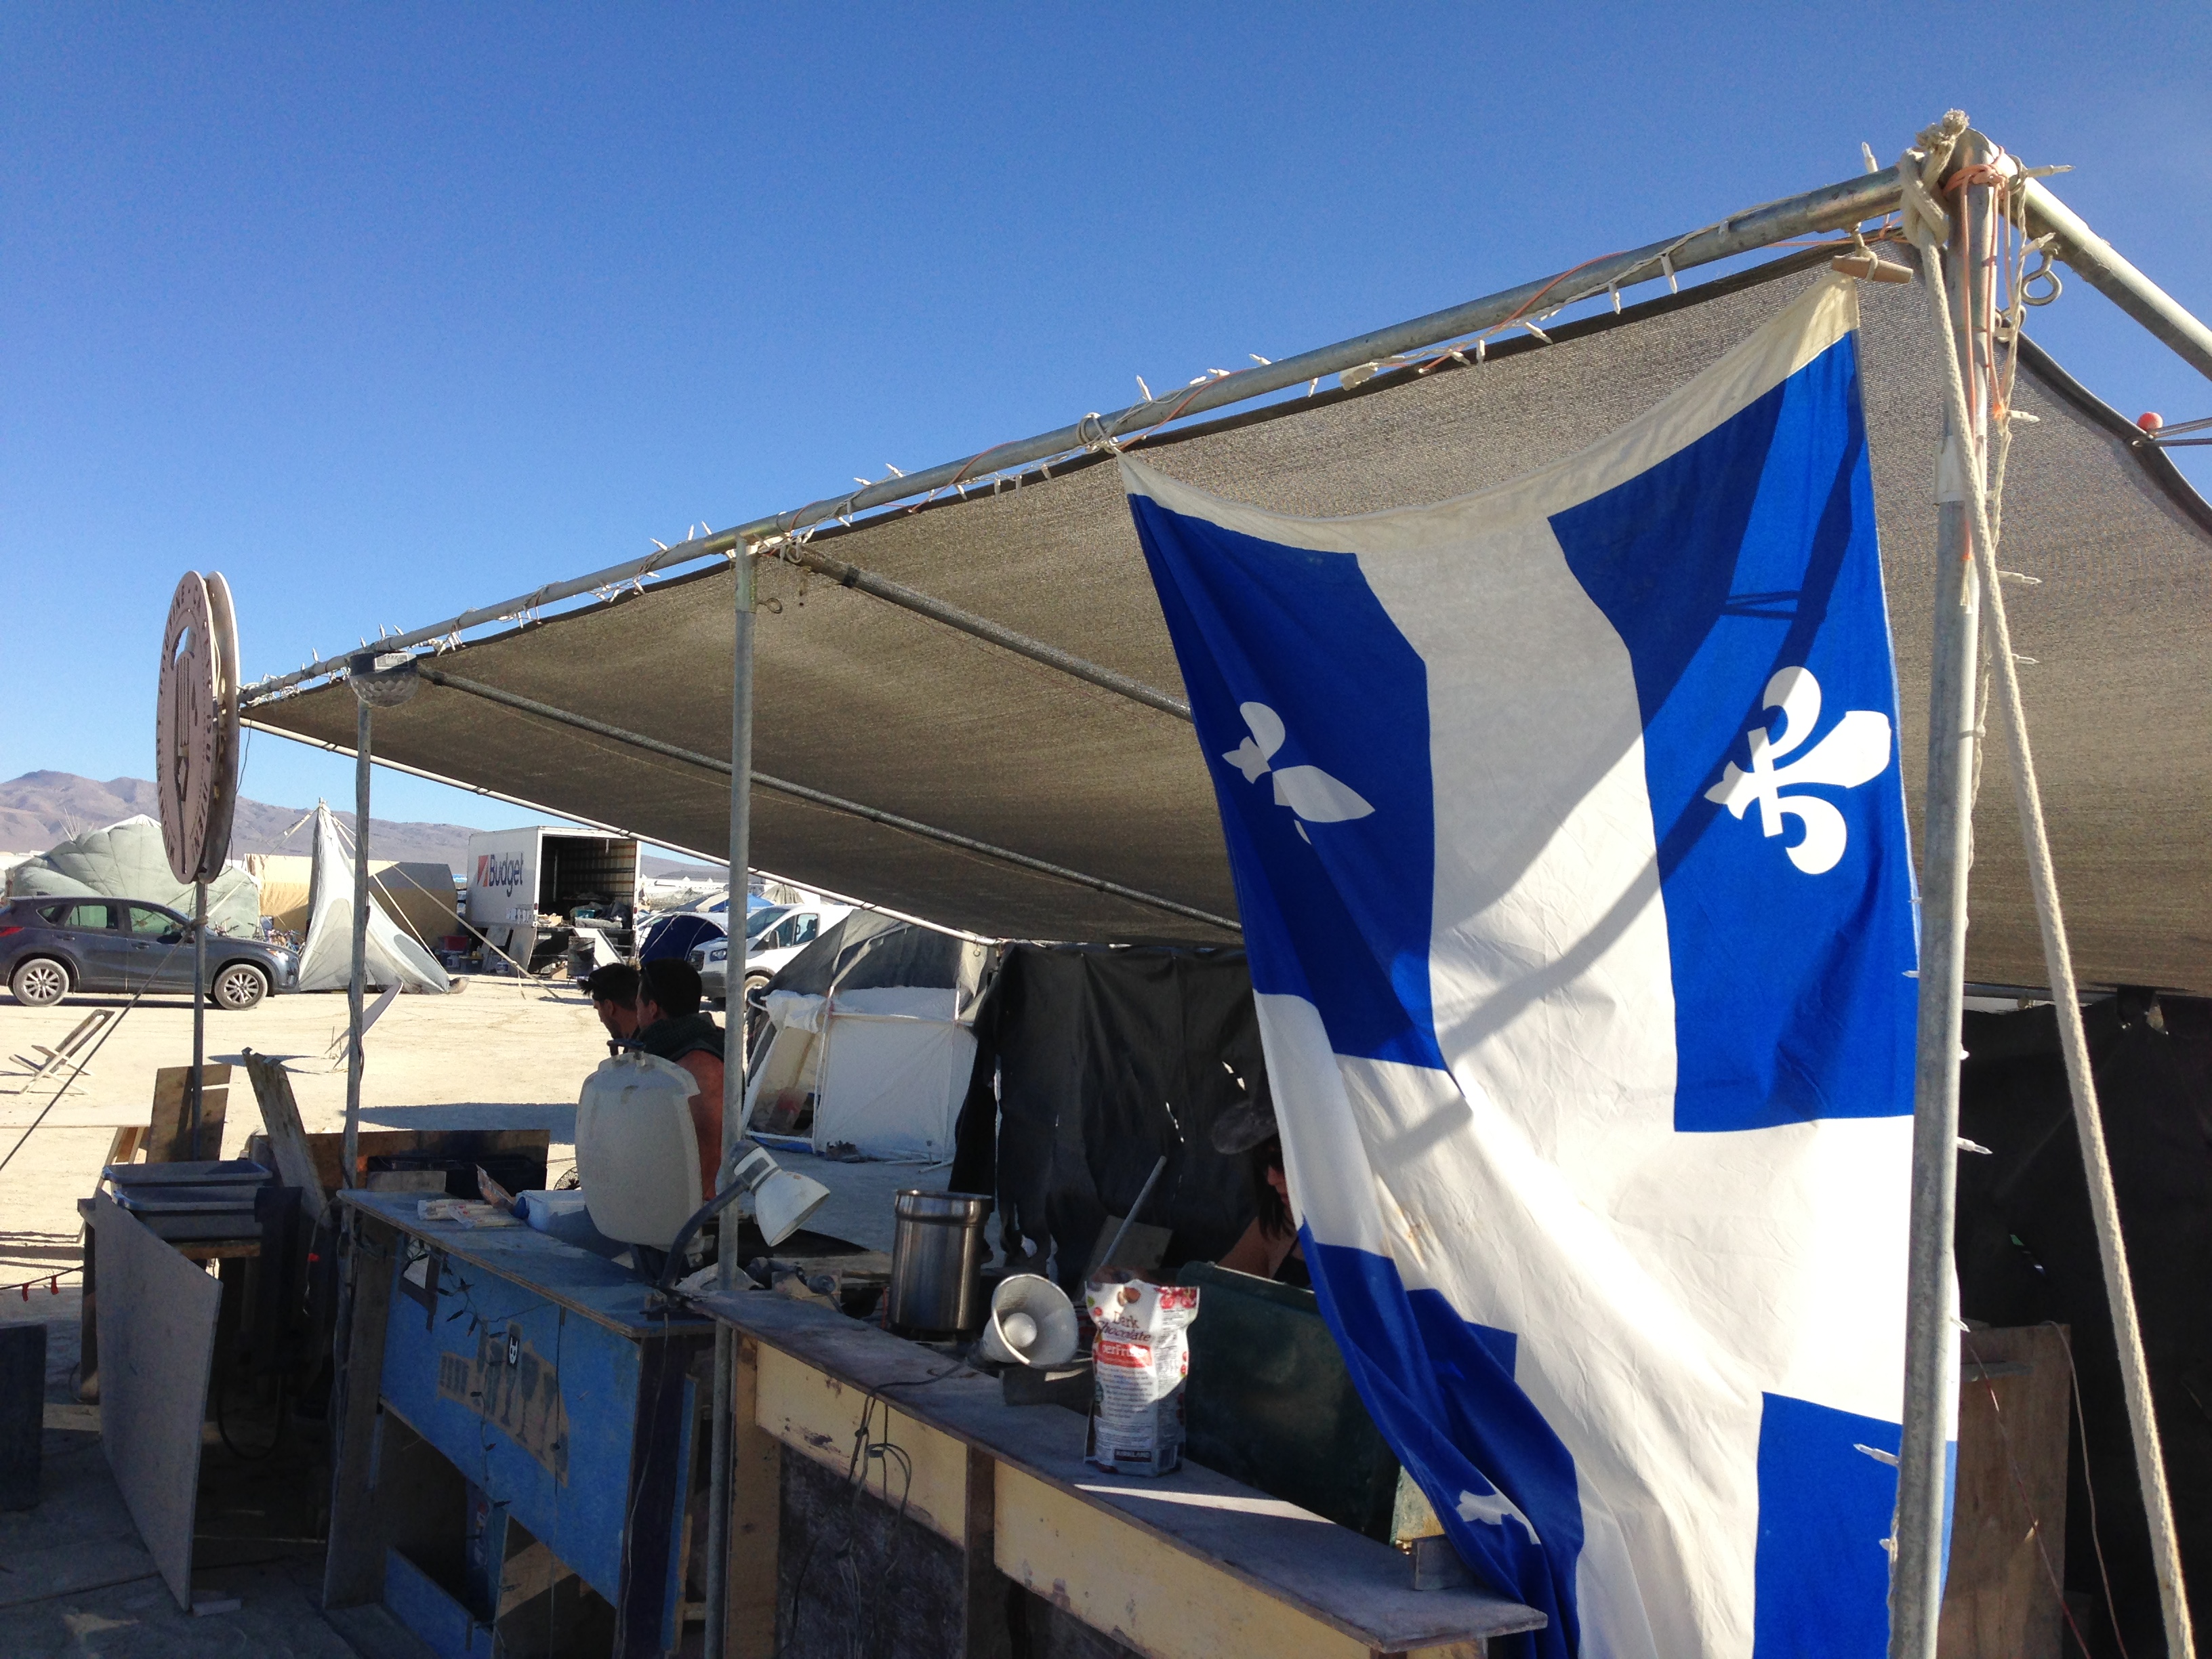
<point>671,1025</point>
<point>613,992</point>
<point>1270,1246</point>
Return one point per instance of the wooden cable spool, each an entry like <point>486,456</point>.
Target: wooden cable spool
<point>195,727</point>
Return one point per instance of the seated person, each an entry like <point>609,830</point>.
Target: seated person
<point>1270,1246</point>
<point>671,1025</point>
<point>613,992</point>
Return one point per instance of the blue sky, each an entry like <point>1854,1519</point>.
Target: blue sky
<point>385,311</point>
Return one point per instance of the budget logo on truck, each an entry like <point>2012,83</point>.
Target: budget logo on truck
<point>503,873</point>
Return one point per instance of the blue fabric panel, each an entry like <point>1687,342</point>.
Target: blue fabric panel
<point>1339,914</point>
<point>1824,1508</point>
<point>1751,550</point>
<point>1441,1390</point>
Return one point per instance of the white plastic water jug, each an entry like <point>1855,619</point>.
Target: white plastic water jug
<point>637,1154</point>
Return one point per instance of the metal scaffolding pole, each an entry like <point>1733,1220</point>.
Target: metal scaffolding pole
<point>355,1059</point>
<point>2103,269</point>
<point>196,1090</point>
<point>1931,1352</point>
<point>733,1105</point>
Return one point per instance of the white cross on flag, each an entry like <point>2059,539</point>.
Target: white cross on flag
<point>1570,850</point>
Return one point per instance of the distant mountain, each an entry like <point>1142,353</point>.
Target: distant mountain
<point>41,808</point>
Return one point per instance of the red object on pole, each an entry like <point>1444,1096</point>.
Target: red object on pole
<point>2150,419</point>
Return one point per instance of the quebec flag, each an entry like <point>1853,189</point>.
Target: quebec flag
<point>1568,836</point>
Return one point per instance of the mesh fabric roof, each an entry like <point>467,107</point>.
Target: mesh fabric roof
<point>868,701</point>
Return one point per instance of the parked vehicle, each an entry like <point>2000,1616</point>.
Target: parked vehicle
<point>773,937</point>
<point>50,947</point>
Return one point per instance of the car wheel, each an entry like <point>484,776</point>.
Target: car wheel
<point>39,983</point>
<point>239,987</point>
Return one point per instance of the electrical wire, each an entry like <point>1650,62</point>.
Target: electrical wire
<point>223,1429</point>
<point>867,1450</point>
<point>2090,1486</point>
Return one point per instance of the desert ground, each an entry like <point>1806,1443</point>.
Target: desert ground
<point>75,1578</point>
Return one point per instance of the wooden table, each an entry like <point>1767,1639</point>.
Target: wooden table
<point>512,1418</point>
<point>1193,1565</point>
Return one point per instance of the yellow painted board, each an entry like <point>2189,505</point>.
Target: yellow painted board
<point>817,1416</point>
<point>1141,1590</point>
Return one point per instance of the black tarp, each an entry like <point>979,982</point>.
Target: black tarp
<point>2028,1252</point>
<point>1105,1059</point>
<point>867,951</point>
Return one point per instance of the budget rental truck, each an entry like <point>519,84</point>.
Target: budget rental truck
<point>531,890</point>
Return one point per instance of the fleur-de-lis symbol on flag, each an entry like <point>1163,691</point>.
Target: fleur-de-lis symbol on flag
<point>1854,751</point>
<point>1312,793</point>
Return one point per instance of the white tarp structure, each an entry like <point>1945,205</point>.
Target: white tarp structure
<point>327,957</point>
<point>128,861</point>
<point>887,1068</point>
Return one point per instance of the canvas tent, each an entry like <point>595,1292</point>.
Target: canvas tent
<point>417,895</point>
<point>869,1029</point>
<point>327,954</point>
<point>127,859</point>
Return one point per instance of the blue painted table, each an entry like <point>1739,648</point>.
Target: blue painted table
<point>513,1414</point>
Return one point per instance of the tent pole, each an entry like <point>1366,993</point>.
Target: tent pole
<point>733,1106</point>
<point>199,1018</point>
<point>2102,268</point>
<point>354,1058</point>
<point>1931,1354</point>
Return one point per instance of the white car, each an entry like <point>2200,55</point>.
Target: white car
<point>773,937</point>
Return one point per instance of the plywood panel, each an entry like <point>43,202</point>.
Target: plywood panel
<point>157,1317</point>
<point>1119,1578</point>
<point>2008,1532</point>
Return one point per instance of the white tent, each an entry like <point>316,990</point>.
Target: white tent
<point>887,1068</point>
<point>127,859</point>
<point>327,957</point>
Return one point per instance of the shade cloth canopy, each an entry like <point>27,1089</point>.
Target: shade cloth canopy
<point>874,704</point>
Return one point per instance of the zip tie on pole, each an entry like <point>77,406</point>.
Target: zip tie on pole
<point>1667,265</point>
<point>1613,289</point>
<point>1094,436</point>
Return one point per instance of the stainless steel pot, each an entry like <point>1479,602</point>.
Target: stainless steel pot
<point>937,1261</point>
